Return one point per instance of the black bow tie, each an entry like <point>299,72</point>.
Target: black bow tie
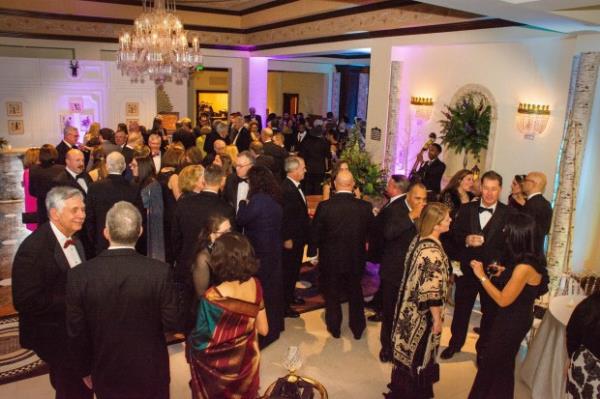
<point>240,180</point>
<point>490,210</point>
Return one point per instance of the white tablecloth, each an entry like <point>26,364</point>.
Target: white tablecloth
<point>544,366</point>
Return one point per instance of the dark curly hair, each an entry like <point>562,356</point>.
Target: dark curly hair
<point>262,180</point>
<point>232,258</point>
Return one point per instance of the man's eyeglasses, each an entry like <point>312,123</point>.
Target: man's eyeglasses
<point>241,166</point>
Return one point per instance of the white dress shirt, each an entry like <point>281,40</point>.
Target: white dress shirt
<point>157,159</point>
<point>80,180</point>
<point>71,251</point>
<point>484,217</point>
<point>242,193</point>
<point>301,136</point>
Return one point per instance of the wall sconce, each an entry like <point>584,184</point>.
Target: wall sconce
<point>532,119</point>
<point>423,107</point>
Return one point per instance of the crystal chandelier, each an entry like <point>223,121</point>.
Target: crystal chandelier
<point>158,47</point>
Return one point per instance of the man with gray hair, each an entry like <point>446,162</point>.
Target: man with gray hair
<point>294,230</point>
<point>119,305</point>
<point>69,141</point>
<point>103,194</point>
<point>220,132</point>
<point>39,277</point>
<point>236,185</point>
<point>240,136</point>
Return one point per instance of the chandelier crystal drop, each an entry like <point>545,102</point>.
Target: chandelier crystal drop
<point>158,47</point>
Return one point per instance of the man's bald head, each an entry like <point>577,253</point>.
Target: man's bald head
<point>219,147</point>
<point>344,181</point>
<point>74,160</point>
<point>266,134</point>
<point>535,182</point>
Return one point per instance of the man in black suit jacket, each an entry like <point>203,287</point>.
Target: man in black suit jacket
<point>39,278</point>
<point>294,140</point>
<point>41,179</point>
<point>294,230</point>
<point>399,229</point>
<point>219,133</point>
<point>74,174</point>
<point>261,159</point>
<point>253,115</point>
<point>478,229</point>
<point>191,214</point>
<point>314,149</point>
<point>340,230</point>
<point>538,207</point>
<point>236,185</point>
<point>240,136</point>
<point>184,136</point>
<point>119,305</point>
<point>278,153</point>
<point>70,138</point>
<point>430,173</point>
<point>103,194</point>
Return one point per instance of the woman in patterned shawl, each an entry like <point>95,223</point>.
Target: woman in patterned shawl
<point>419,310</point>
<point>223,347</point>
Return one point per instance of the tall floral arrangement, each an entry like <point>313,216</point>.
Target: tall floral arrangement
<point>370,177</point>
<point>466,126</point>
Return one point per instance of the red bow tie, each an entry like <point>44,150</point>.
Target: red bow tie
<point>68,242</point>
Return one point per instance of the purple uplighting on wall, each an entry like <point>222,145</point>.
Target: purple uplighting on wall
<point>258,68</point>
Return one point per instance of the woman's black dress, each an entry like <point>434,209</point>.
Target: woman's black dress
<point>495,378</point>
<point>169,206</point>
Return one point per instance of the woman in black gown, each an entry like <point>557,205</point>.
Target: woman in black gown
<point>260,218</point>
<point>529,279</point>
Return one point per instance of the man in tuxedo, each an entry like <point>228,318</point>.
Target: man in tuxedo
<point>294,230</point>
<point>191,215</point>
<point>240,136</point>
<point>430,173</point>
<point>253,115</point>
<point>70,139</point>
<point>121,138</point>
<point>103,194</point>
<point>294,141</point>
<point>154,142</point>
<point>538,207</point>
<point>236,185</point>
<point>339,230</point>
<point>39,278</point>
<point>261,159</point>
<point>74,174</point>
<point>478,228</point>
<point>398,217</point>
<point>278,153</point>
<point>315,152</point>
<point>126,148</point>
<point>119,305</point>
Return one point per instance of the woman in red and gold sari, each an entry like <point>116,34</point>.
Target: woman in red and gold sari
<point>223,347</point>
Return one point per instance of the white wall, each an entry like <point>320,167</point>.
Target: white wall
<point>45,88</point>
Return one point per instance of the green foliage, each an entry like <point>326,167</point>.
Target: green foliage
<point>370,178</point>
<point>466,126</point>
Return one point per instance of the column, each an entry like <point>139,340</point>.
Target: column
<point>258,68</point>
<point>377,112</point>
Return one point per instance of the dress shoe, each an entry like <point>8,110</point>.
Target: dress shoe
<point>298,301</point>
<point>291,313</point>
<point>357,336</point>
<point>448,352</point>
<point>377,317</point>
<point>334,334</point>
<point>385,356</point>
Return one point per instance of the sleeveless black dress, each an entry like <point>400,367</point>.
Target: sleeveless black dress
<point>496,375</point>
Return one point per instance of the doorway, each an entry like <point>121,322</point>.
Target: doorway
<point>291,103</point>
<point>215,103</point>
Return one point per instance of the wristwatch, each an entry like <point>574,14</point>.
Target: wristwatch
<point>483,279</point>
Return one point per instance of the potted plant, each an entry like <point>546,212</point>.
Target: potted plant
<point>466,126</point>
<point>369,177</point>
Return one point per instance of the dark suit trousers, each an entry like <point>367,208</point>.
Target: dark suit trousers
<point>67,383</point>
<point>334,288</point>
<point>291,261</point>
<point>313,183</point>
<point>467,289</point>
<point>389,298</point>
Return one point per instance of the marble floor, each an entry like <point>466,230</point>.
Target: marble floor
<point>346,367</point>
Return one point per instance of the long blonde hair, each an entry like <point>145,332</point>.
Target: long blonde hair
<point>431,216</point>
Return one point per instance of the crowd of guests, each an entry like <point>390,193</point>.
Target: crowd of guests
<point>203,232</point>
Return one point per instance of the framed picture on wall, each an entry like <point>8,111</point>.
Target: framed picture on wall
<point>132,109</point>
<point>15,127</point>
<point>169,120</point>
<point>75,105</point>
<point>14,108</point>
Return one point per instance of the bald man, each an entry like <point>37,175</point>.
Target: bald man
<point>339,231</point>
<point>538,207</point>
<point>219,147</point>
<point>278,153</point>
<point>74,174</point>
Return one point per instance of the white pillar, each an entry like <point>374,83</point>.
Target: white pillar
<point>258,68</point>
<point>379,87</point>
